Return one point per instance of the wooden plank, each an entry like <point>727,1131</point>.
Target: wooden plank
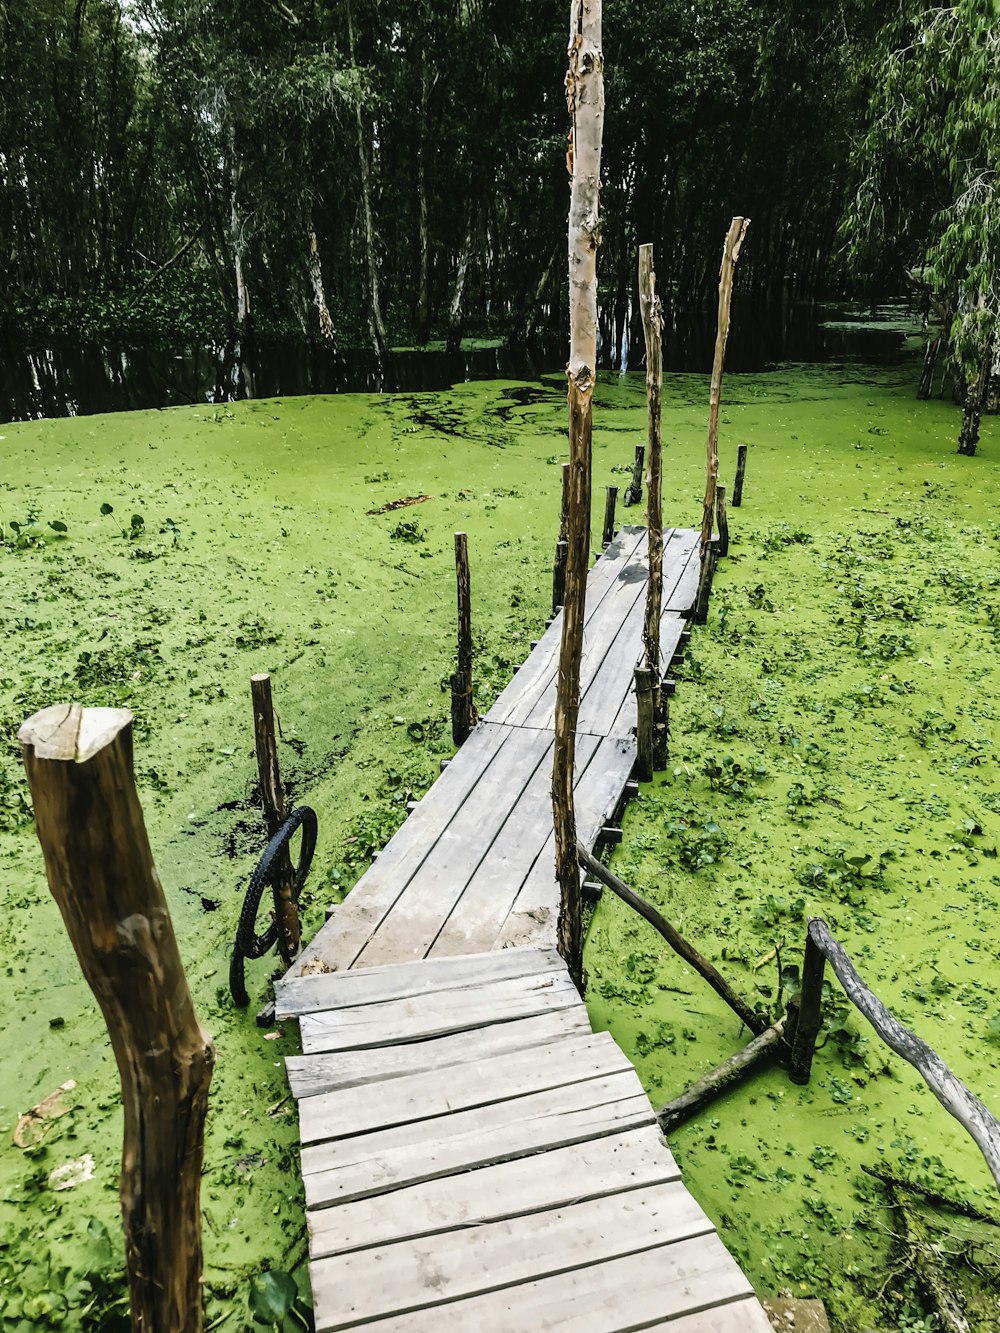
<point>339,942</point>
<point>538,673</point>
<point>744,1315</point>
<point>553,1179</point>
<point>632,1292</point>
<point>374,985</point>
<point>333,1115</point>
<point>408,1154</point>
<point>480,912</point>
<point>395,1279</point>
<point>309,1075</point>
<point>469,839</point>
<point>681,597</point>
<point>419,1017</point>
<point>532,918</point>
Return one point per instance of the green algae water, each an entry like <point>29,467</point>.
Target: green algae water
<point>848,670</point>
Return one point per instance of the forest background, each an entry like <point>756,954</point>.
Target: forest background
<point>372,172</point>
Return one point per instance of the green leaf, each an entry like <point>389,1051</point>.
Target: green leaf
<point>138,522</point>
<point>107,509</point>
<point>272,1295</point>
<point>57,525</point>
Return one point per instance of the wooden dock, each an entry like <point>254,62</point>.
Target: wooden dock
<point>474,1156</point>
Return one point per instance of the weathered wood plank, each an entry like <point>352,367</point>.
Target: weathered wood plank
<point>618,1296</point>
<point>309,1075</point>
<point>469,839</point>
<point>337,945</point>
<point>553,1179</point>
<point>334,1115</point>
<point>408,1275</point>
<point>479,913</point>
<point>408,1154</point>
<point>419,1017</point>
<point>374,985</point>
<point>743,1315</point>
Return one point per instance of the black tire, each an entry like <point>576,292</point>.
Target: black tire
<point>248,943</point>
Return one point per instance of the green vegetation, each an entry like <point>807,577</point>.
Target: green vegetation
<point>257,550</point>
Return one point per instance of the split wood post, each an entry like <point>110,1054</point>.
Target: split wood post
<point>741,468</point>
<point>709,558</point>
<point>644,723</point>
<point>652,326</point>
<point>562,547</point>
<point>730,254</point>
<point>463,713</point>
<point>101,873</point>
<point>609,517</point>
<point>722,520</point>
<point>633,494</point>
<point>585,98</point>
<point>272,795</point>
<point>809,1017</point>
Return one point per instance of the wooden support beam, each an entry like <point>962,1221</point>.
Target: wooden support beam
<point>722,520</point>
<point>709,557</point>
<point>609,517</point>
<point>463,711</point>
<point>272,797</point>
<point>730,254</point>
<point>741,468</point>
<point>101,873</point>
<point>633,493</point>
<point>809,1016</point>
<point>644,723</point>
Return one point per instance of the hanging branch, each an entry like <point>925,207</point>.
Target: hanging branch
<point>652,326</point>
<point>730,254</point>
<point>585,98</point>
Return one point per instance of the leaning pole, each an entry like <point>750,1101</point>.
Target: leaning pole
<point>585,99</point>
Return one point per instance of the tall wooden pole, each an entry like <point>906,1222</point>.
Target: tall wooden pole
<point>463,714</point>
<point>730,254</point>
<point>652,326</point>
<point>101,873</point>
<point>585,98</point>
<point>272,797</point>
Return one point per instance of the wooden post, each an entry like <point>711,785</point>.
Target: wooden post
<point>722,520</point>
<point>810,1003</point>
<point>272,795</point>
<point>564,505</point>
<point>741,467</point>
<point>585,96</point>
<point>716,1081</point>
<point>101,873</point>
<point>463,713</point>
<point>609,517</point>
<point>709,556</point>
<point>652,325</point>
<point>633,494</point>
<point>644,723</point>
<point>730,254</point>
<point>559,576</point>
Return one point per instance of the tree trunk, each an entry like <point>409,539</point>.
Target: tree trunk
<point>423,282</point>
<point>652,325</point>
<point>968,435</point>
<point>730,254</point>
<point>458,292</point>
<point>101,873</point>
<point>315,268</point>
<point>376,326</point>
<point>585,96</point>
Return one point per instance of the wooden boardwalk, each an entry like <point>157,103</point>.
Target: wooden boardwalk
<point>474,1156</point>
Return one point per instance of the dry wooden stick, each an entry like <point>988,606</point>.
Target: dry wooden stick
<point>674,938</point>
<point>652,326</point>
<point>585,97</point>
<point>950,1091</point>
<point>717,1080</point>
<point>101,873</point>
<point>272,795</point>
<point>730,254</point>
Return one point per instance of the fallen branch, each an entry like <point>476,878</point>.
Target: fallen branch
<point>950,1091</point>
<point>930,1274</point>
<point>934,1197</point>
<point>675,939</point>
<point>723,1076</point>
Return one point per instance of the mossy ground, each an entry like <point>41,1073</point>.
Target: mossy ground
<point>271,561</point>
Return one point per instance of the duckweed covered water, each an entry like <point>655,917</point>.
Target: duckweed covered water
<point>850,654</point>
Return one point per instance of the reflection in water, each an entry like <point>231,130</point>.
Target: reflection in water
<point>72,380</point>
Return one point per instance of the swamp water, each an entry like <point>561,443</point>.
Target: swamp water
<point>848,672</point>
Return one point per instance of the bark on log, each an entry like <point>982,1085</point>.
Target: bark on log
<point>609,517</point>
<point>674,938</point>
<point>585,99</point>
<point>717,1080</point>
<point>950,1091</point>
<point>463,712</point>
<point>652,326</point>
<point>644,723</point>
<point>101,873</point>
<point>730,254</point>
<point>709,558</point>
<point>272,795</point>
